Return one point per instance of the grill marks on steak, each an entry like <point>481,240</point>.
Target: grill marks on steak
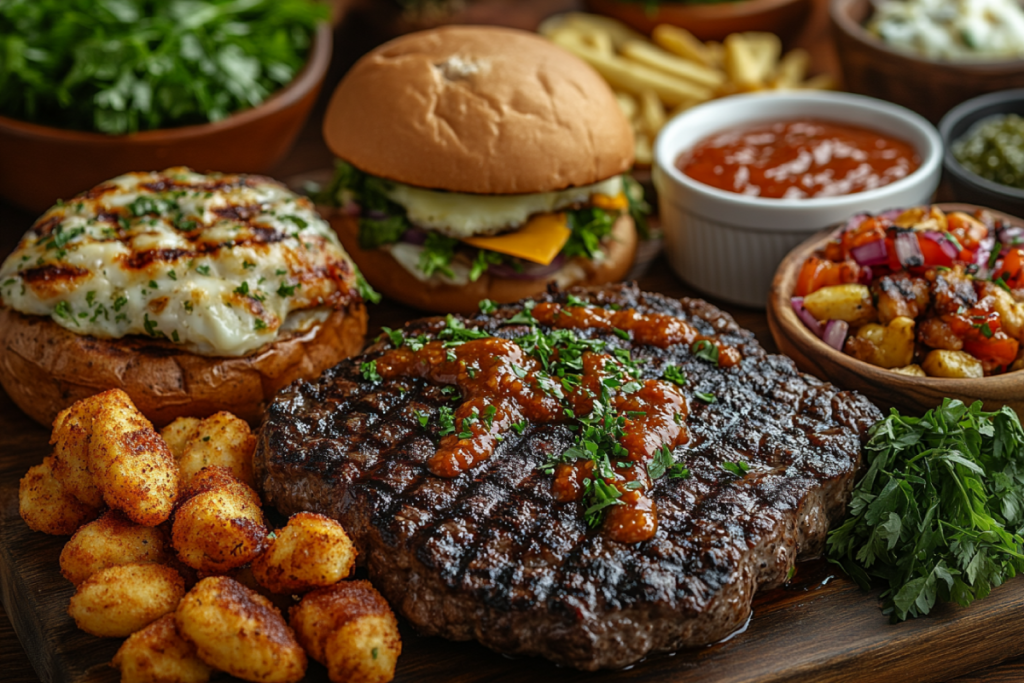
<point>490,555</point>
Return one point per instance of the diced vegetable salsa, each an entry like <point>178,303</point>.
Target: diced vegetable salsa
<point>920,292</point>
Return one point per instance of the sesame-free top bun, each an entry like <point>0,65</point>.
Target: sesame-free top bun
<point>477,109</point>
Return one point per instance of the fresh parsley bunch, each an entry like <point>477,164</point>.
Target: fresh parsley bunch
<point>940,513</point>
<point>120,66</point>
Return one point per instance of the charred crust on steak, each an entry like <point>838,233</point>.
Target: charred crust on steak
<point>491,555</point>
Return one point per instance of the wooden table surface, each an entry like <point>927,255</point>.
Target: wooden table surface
<point>353,38</point>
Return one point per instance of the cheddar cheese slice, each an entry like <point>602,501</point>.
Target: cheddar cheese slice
<point>539,240</point>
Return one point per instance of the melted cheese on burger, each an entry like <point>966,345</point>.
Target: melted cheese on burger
<point>220,264</point>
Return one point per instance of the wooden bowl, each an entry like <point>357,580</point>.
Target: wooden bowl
<point>41,164</point>
<point>929,87</point>
<point>884,387</point>
<point>713,21</point>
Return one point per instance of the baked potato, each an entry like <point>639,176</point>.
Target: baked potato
<point>158,654</point>
<point>118,601</point>
<point>70,439</point>
<point>221,439</point>
<point>46,505</point>
<point>350,629</point>
<point>130,463</point>
<point>851,303</point>
<point>220,525</point>
<point>311,551</point>
<point>109,541</point>
<point>239,631</point>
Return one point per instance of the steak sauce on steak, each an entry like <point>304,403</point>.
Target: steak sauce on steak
<point>456,455</point>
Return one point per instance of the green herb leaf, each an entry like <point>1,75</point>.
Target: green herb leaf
<point>487,306</point>
<point>675,374</point>
<point>705,350</point>
<point>369,371</point>
<point>738,468</point>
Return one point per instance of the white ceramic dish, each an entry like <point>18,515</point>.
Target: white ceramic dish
<point>728,245</point>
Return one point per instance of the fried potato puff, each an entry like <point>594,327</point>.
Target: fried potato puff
<point>158,654</point>
<point>221,439</point>
<point>118,601</point>
<point>46,505</point>
<point>110,541</point>
<point>70,438</point>
<point>312,551</point>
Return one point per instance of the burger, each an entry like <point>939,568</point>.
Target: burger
<point>192,293</point>
<point>479,163</point>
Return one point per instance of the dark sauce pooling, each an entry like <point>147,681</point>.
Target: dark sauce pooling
<point>626,428</point>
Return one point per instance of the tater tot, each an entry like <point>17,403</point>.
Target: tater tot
<point>46,506</point>
<point>349,628</point>
<point>239,631</point>
<point>130,463</point>
<point>158,654</point>
<point>71,433</point>
<point>312,551</point>
<point>221,439</point>
<point>111,540</point>
<point>118,601</point>
<point>177,434</point>
<point>220,525</point>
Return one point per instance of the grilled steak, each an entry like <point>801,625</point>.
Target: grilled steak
<point>494,553</point>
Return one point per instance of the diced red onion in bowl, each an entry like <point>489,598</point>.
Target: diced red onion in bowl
<point>805,316</point>
<point>866,275</point>
<point>1011,236</point>
<point>530,271</point>
<point>908,251</point>
<point>854,222</point>
<point>871,254</point>
<point>942,240</point>
<point>982,256</point>
<point>835,333</point>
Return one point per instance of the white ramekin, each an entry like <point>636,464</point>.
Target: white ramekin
<point>728,245</point>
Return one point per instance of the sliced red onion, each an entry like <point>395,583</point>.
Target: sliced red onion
<point>891,214</point>
<point>813,325</point>
<point>981,257</point>
<point>908,251</point>
<point>530,271</point>
<point>865,276</point>
<point>854,222</point>
<point>940,239</point>
<point>835,333</point>
<point>1011,235</point>
<point>414,236</point>
<point>871,254</point>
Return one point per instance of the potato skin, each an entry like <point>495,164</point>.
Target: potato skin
<point>177,433</point>
<point>221,439</point>
<point>312,551</point>
<point>350,629</point>
<point>118,601</point>
<point>239,631</point>
<point>110,541</point>
<point>46,505</point>
<point>220,525</point>
<point>71,434</point>
<point>130,463</point>
<point>158,654</point>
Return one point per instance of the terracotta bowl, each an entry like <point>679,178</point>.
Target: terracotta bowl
<point>40,164</point>
<point>929,87</point>
<point>884,387</point>
<point>714,21</point>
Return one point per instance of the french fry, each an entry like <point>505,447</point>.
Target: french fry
<point>684,44</point>
<point>650,55</point>
<point>652,113</point>
<point>820,82</point>
<point>716,53</point>
<point>644,153</point>
<point>766,48</point>
<point>791,69</point>
<point>599,40</point>
<point>742,63</point>
<point>627,103</point>
<point>635,78</point>
<point>582,22</point>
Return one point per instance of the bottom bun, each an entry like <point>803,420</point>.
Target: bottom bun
<point>391,279</point>
<point>45,368</point>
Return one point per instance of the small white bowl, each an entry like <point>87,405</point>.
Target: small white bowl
<point>727,244</point>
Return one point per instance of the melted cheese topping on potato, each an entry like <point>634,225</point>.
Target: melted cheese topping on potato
<point>467,215</point>
<point>219,264</point>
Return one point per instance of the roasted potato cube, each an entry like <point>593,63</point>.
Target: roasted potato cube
<point>158,654</point>
<point>222,440</point>
<point>130,463</point>
<point>936,333</point>
<point>900,296</point>
<point>911,371</point>
<point>954,364</point>
<point>889,346</point>
<point>220,525</point>
<point>851,303</point>
<point>239,631</point>
<point>1011,313</point>
<point>118,601</point>
<point>312,551</point>
<point>111,540</point>
<point>71,433</point>
<point>350,629</point>
<point>178,433</point>
<point>46,505</point>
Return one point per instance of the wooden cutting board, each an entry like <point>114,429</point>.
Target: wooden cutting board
<point>821,627</point>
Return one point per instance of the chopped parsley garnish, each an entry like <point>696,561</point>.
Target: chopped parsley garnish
<point>174,336</point>
<point>589,226</point>
<point>994,256</point>
<point>394,336</point>
<point>737,469</point>
<point>300,223</point>
<point>675,374</point>
<point>483,260</point>
<point>939,514</point>
<point>705,350</point>
<point>258,324</point>
<point>248,264</point>
<point>487,306</point>
<point>600,495</point>
<point>520,427</point>
<point>287,290</point>
<point>573,300</point>
<point>242,289</point>
<point>366,292</point>
<point>446,419</point>
<point>203,270</point>
<point>422,417</point>
<point>369,371</point>
<point>1001,282</point>
<point>171,274</point>
<point>706,397</point>
<point>153,284</point>
<point>621,334</point>
<point>437,254</point>
<point>63,310</point>
<point>150,326</point>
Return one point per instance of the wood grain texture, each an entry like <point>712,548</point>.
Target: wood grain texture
<point>884,387</point>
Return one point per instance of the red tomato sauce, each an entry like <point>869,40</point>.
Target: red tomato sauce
<point>799,160</point>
